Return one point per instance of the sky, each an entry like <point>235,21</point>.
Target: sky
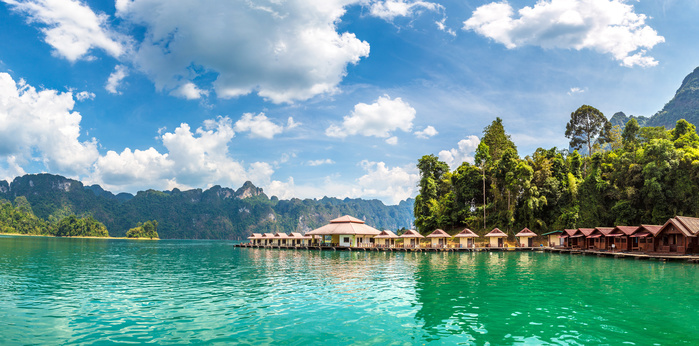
<point>314,98</point>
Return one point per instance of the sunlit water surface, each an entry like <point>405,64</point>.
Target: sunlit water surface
<point>92,291</point>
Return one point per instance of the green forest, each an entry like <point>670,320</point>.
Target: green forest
<point>614,176</point>
<point>20,219</point>
<point>148,229</point>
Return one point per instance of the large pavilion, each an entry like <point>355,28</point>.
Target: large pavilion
<point>347,231</point>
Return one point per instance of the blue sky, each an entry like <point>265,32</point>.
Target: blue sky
<point>316,98</point>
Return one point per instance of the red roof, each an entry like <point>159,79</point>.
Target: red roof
<point>570,232</point>
<point>627,230</point>
<point>605,230</point>
<point>586,231</point>
<point>653,229</point>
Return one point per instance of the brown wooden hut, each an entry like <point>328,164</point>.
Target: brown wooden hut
<point>586,243</point>
<point>678,236</point>
<point>643,238</point>
<point>568,238</point>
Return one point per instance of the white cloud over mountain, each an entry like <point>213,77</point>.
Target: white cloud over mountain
<point>71,27</point>
<point>607,26</point>
<point>379,119</point>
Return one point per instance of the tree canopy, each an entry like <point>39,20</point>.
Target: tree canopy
<point>586,125</point>
<point>148,229</point>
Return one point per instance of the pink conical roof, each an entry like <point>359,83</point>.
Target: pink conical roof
<point>466,233</point>
<point>438,233</point>
<point>525,233</point>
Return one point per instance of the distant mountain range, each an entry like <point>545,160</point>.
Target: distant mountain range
<point>684,105</point>
<point>216,213</point>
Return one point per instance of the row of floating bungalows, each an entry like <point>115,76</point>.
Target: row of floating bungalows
<point>679,235</point>
<point>348,231</point>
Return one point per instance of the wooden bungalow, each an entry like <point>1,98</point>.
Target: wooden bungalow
<point>678,236</point>
<point>255,239</point>
<point>599,239</point>
<point>411,239</point>
<point>569,239</point>
<point>438,238</point>
<point>497,238</point>
<point>347,231</point>
<point>386,239</point>
<point>466,238</point>
<point>643,238</point>
<point>620,237</point>
<point>525,237</point>
<point>554,238</point>
<point>586,243</point>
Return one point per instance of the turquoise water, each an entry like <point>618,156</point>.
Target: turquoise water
<point>92,291</point>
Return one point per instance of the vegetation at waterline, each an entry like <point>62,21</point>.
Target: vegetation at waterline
<point>20,219</point>
<point>149,229</point>
<point>638,175</point>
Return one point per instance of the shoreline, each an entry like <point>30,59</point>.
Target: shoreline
<point>75,237</point>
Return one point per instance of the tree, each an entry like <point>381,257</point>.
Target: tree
<point>586,124</point>
<point>483,160</point>
<point>497,140</point>
<point>434,184</point>
<point>630,134</point>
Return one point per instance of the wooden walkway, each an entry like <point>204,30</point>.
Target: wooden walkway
<point>629,255</point>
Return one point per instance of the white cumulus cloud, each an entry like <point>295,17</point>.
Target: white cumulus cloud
<point>320,162</point>
<point>389,184</point>
<point>71,27</point>
<point>390,9</point>
<point>428,132</point>
<point>260,126</point>
<point>40,125</point>
<point>115,78</point>
<point>378,119</point>
<point>190,91</point>
<point>607,26</point>
<point>464,152</point>
<point>85,95</point>
<point>282,50</point>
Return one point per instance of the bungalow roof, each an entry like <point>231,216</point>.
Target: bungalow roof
<point>525,233</point>
<point>255,236</point>
<point>345,225</point>
<point>552,232</point>
<point>605,230</point>
<point>268,235</point>
<point>438,233</point>
<point>653,229</point>
<point>496,232</point>
<point>411,234</point>
<point>466,233</point>
<point>627,230</point>
<point>690,223</point>
<point>679,225</point>
<point>570,232</point>
<point>386,235</point>
<point>281,235</point>
<point>586,231</point>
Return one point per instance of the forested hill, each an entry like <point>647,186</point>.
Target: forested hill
<point>216,213</point>
<point>684,105</point>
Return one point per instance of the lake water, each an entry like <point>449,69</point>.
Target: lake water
<point>85,291</point>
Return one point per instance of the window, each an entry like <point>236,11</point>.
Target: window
<point>345,240</point>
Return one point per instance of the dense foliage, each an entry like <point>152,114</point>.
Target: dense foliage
<point>149,229</point>
<point>72,226</point>
<point>216,213</point>
<point>638,175</point>
<point>20,219</point>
